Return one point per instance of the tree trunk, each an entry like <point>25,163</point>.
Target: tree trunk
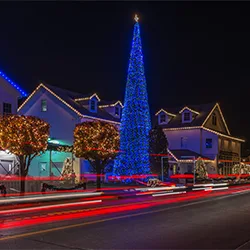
<point>22,191</point>
<point>22,174</point>
<point>98,174</point>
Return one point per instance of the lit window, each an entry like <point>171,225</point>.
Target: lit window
<point>92,105</point>
<point>162,118</point>
<point>7,109</point>
<point>117,111</point>
<point>209,143</point>
<point>44,105</point>
<point>214,119</point>
<point>186,116</point>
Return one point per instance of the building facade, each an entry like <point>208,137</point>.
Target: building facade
<point>10,93</point>
<point>200,130</point>
<point>63,110</point>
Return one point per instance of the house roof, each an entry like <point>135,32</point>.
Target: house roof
<point>68,98</point>
<point>109,103</point>
<point>22,92</point>
<point>186,154</point>
<point>202,112</point>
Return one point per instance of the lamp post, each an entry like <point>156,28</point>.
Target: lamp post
<point>192,157</point>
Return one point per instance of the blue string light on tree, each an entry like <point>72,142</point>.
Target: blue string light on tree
<point>135,122</point>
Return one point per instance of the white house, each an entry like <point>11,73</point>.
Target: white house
<point>63,109</point>
<point>10,92</point>
<point>199,130</point>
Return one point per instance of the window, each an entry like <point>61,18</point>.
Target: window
<point>214,119</point>
<point>209,143</point>
<point>162,118</point>
<point>117,111</point>
<point>7,108</point>
<point>186,116</point>
<point>184,142</point>
<point>43,105</point>
<point>92,105</point>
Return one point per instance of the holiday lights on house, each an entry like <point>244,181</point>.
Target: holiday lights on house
<point>202,127</point>
<point>135,122</point>
<point>217,106</point>
<point>182,128</point>
<point>41,85</point>
<point>191,110</point>
<point>24,94</point>
<point>111,105</point>
<point>163,110</point>
<point>223,135</point>
<point>88,98</point>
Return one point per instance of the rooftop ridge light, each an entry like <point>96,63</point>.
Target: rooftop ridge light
<point>210,130</point>
<point>111,105</point>
<point>87,98</point>
<point>163,110</point>
<point>68,105</point>
<point>13,84</point>
<point>191,110</point>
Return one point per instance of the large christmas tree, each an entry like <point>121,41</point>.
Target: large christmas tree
<point>135,122</point>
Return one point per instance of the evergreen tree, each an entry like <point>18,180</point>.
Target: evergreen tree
<point>135,122</point>
<point>158,149</point>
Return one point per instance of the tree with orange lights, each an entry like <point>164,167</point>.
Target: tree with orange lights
<point>97,142</point>
<point>24,136</point>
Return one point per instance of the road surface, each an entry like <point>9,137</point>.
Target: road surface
<point>209,222</point>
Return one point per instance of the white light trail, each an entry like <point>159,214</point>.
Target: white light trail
<point>30,209</point>
<point>47,197</point>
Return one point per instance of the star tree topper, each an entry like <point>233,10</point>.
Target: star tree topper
<point>136,18</point>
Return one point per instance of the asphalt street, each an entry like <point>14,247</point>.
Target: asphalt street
<point>213,223</point>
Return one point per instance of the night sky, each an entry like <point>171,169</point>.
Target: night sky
<point>194,52</point>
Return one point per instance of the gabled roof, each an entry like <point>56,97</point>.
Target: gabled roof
<point>68,98</point>
<point>164,111</point>
<point>191,110</point>
<point>104,104</point>
<point>23,93</point>
<point>202,111</point>
<point>87,97</point>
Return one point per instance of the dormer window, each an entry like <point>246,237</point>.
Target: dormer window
<point>186,117</point>
<point>93,105</point>
<point>162,118</point>
<point>214,119</point>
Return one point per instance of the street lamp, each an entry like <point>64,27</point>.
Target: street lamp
<point>192,157</point>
